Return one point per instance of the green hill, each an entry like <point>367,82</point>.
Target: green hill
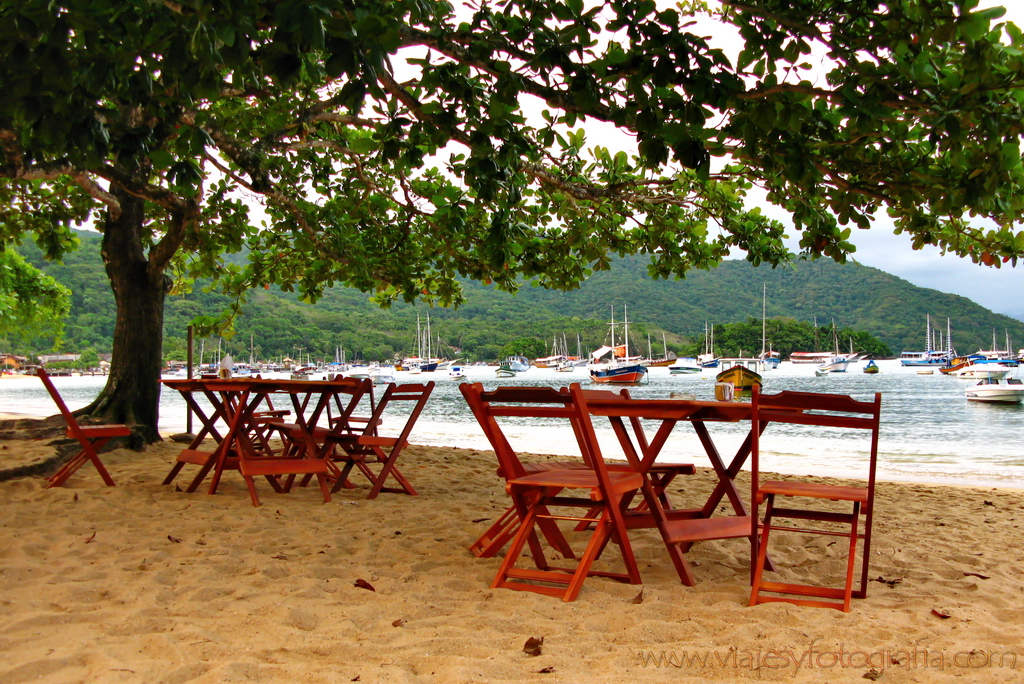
<point>857,298</point>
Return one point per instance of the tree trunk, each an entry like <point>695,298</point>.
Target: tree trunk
<point>132,393</point>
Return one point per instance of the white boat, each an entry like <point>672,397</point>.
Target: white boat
<point>981,371</point>
<point>515,364</point>
<point>837,362</point>
<point>382,375</point>
<point>1008,391</point>
<point>456,373</point>
<point>685,366</point>
<point>834,364</point>
<point>566,366</point>
<point>821,372</point>
<point>809,357</point>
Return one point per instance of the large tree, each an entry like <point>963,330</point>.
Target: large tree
<point>396,146</point>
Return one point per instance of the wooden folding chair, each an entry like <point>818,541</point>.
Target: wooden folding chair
<point>536,491</point>
<point>346,395</point>
<point>661,475</point>
<point>358,451</point>
<point>826,410</point>
<point>91,438</point>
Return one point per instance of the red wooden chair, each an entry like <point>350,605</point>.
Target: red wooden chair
<point>827,410</point>
<point>661,475</point>
<point>601,500</point>
<point>91,438</point>
<point>359,450</point>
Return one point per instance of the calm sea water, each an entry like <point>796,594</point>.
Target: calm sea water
<point>930,432</point>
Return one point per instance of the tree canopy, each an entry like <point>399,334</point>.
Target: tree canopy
<point>31,304</point>
<point>395,147</point>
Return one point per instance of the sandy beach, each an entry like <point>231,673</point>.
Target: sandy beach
<point>146,583</point>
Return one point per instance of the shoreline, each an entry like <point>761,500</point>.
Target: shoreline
<point>143,582</point>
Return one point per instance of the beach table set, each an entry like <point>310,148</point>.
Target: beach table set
<point>318,436</point>
<point>314,431</point>
<point>606,491</point>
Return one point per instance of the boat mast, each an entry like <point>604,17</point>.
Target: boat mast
<point>764,299</point>
<point>625,331</point>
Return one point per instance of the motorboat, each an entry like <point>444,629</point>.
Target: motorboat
<point>381,375</point>
<point>980,370</point>
<point>685,366</point>
<point>456,373</point>
<point>835,364</point>
<point>741,377</point>
<point>1005,391</point>
<point>871,368</point>
<point>516,364</point>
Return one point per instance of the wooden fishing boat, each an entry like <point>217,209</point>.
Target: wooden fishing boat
<point>740,377</point>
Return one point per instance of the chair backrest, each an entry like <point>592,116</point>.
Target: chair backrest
<point>347,394</point>
<point>813,408</point>
<point>532,402</point>
<point>69,418</point>
<point>416,394</point>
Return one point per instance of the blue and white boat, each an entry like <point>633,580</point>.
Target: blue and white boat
<point>513,365</point>
<point>931,356</point>
<point>620,368</point>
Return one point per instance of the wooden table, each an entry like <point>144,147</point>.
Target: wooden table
<point>670,412</point>
<point>234,424</point>
<point>682,527</point>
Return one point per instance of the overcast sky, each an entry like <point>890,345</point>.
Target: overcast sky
<point>1000,290</point>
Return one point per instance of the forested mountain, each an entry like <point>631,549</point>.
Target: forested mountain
<point>856,298</point>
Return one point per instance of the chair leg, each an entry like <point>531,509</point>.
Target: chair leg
<point>175,469</point>
<point>322,479</point>
<point>597,542</point>
<point>88,453</point>
<point>851,562</point>
<point>515,548</point>
<point>251,484</point>
<point>762,551</point>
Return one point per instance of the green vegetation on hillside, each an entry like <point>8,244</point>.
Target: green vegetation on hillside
<point>881,313</point>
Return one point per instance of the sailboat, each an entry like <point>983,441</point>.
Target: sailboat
<point>770,357</point>
<point>615,371</point>
<point>665,360</point>
<point>707,359</point>
<point>837,362</point>
<point>931,356</point>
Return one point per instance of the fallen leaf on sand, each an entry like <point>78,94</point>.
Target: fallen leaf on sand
<point>532,646</point>
<point>639,598</point>
<point>974,574</point>
<point>480,520</point>
<point>941,613</point>
<point>873,675</point>
<point>90,538</point>
<point>398,623</point>
<point>888,582</point>
<point>547,670</point>
<point>173,539</point>
<point>363,584</point>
